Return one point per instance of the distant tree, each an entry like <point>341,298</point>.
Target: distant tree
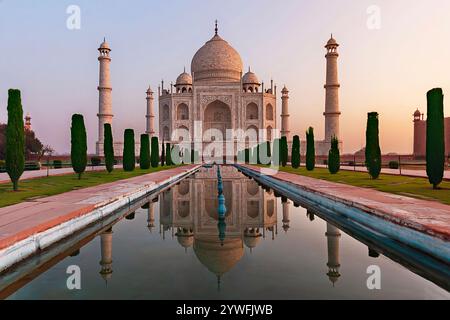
<point>129,155</point>
<point>78,153</point>
<point>144,156</point>
<point>295,157</point>
<point>310,150</point>
<point>108,147</point>
<point>435,153</point>
<point>373,151</point>
<point>154,158</point>
<point>334,157</point>
<point>33,146</point>
<point>168,154</point>
<point>15,140</point>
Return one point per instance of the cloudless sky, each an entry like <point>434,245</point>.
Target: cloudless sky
<point>387,70</point>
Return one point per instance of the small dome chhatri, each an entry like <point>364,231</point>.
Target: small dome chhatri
<point>417,113</point>
<point>104,45</point>
<point>332,42</point>
<point>184,79</point>
<point>217,60</point>
<point>250,78</point>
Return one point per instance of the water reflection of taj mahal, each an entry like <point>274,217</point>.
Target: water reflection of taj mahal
<point>189,212</point>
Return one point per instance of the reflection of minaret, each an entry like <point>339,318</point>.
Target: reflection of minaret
<point>106,248</point>
<point>333,234</point>
<point>150,217</point>
<point>286,216</point>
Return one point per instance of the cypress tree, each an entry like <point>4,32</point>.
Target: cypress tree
<point>144,156</point>
<point>295,158</point>
<point>129,156</point>
<point>15,138</point>
<point>334,157</point>
<point>78,153</point>
<point>284,151</point>
<point>247,155</point>
<point>163,154</point>
<point>168,155</point>
<point>108,147</point>
<point>435,153</point>
<point>192,156</point>
<point>373,151</point>
<point>310,150</point>
<point>276,152</point>
<point>269,151</point>
<point>154,157</point>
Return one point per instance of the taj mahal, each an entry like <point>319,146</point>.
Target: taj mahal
<point>217,104</point>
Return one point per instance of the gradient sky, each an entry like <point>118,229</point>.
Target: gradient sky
<point>387,70</point>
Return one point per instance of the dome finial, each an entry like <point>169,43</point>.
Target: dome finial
<point>217,28</point>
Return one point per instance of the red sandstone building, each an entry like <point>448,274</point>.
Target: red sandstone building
<point>420,135</point>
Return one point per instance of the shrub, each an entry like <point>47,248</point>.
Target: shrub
<point>144,156</point>
<point>2,166</point>
<point>96,161</point>
<point>435,153</point>
<point>394,165</point>
<point>15,138</point>
<point>108,148</point>
<point>78,152</point>
<point>373,151</point>
<point>129,156</point>
<point>57,164</point>
<point>32,166</point>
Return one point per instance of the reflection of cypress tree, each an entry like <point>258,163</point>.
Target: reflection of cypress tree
<point>129,156</point>
<point>310,150</point>
<point>373,151</point>
<point>78,152</point>
<point>154,157</point>
<point>295,157</point>
<point>15,138</point>
<point>334,157</point>
<point>108,148</point>
<point>144,157</point>
<point>435,137</point>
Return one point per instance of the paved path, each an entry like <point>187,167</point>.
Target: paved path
<point>429,217</point>
<point>4,178</point>
<point>405,172</point>
<point>20,221</point>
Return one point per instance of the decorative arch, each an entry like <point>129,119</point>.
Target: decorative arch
<point>252,111</point>
<point>269,133</point>
<point>269,112</point>
<point>253,132</point>
<point>217,115</point>
<point>182,112</point>
<point>166,112</point>
<point>166,134</point>
<point>183,208</point>
<point>253,208</point>
<point>252,188</point>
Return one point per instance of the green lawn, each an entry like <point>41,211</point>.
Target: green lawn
<point>407,186</point>
<point>48,186</point>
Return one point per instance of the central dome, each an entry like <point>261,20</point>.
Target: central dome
<point>218,61</point>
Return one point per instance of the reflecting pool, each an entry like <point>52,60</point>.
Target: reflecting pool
<point>176,245</point>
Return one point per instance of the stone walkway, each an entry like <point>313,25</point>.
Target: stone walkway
<point>20,221</point>
<point>429,217</point>
<point>4,178</point>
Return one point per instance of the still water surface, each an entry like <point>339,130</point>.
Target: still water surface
<point>176,247</point>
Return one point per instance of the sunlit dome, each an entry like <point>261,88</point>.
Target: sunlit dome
<point>184,79</point>
<point>250,78</point>
<point>217,60</point>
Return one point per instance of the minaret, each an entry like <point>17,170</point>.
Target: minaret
<point>150,117</point>
<point>106,248</point>
<point>333,234</point>
<point>104,88</point>
<point>150,217</point>
<point>285,216</point>
<point>332,85</point>
<point>28,122</point>
<point>285,114</point>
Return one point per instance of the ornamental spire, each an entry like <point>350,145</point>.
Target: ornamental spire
<point>217,28</point>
